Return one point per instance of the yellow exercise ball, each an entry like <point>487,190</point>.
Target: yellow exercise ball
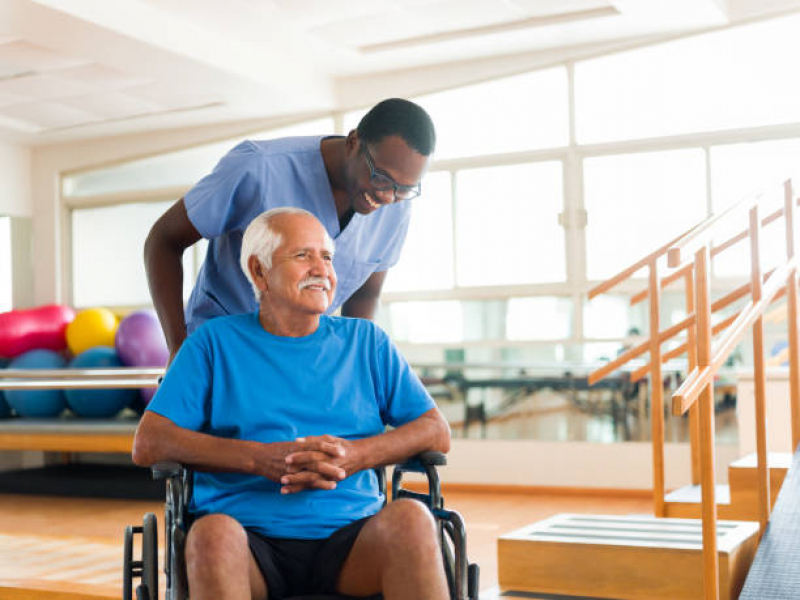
<point>91,327</point>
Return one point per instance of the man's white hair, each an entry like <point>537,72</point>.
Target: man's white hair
<point>260,239</point>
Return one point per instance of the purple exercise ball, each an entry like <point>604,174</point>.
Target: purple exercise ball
<point>140,341</point>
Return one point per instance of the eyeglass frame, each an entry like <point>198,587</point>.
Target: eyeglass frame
<point>374,174</point>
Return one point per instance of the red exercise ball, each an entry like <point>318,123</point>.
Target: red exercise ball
<point>34,329</point>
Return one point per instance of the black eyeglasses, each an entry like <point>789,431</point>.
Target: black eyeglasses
<point>383,183</point>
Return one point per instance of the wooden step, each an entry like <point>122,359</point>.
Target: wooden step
<point>602,556</point>
<point>685,503</point>
<point>743,480</point>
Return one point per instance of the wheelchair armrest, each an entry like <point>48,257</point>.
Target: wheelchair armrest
<point>166,469</point>
<point>420,462</point>
<point>425,463</point>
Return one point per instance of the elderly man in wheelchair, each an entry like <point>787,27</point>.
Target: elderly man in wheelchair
<point>282,416</point>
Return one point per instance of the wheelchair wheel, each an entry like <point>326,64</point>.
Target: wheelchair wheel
<point>150,555</point>
<point>127,565</point>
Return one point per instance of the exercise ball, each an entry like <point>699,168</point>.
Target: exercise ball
<point>37,403</point>
<point>98,403</point>
<point>41,328</point>
<point>140,341</point>
<point>91,327</point>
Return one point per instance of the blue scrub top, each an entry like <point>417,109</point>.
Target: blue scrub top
<point>259,175</point>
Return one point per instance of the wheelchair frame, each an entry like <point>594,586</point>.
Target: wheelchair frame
<point>463,578</point>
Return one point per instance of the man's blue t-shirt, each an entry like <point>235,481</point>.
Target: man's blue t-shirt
<point>259,175</point>
<point>233,379</point>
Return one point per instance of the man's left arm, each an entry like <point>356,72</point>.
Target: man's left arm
<point>364,301</point>
<point>428,432</point>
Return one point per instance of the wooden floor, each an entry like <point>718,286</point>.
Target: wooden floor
<point>75,545</point>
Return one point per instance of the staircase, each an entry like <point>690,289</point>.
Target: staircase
<point>738,500</point>
<point>684,551</point>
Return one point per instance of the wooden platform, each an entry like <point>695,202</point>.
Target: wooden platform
<point>68,434</point>
<point>603,556</point>
<point>737,501</point>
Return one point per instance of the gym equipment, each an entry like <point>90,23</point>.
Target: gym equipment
<point>41,328</point>
<point>462,577</point>
<point>140,342</point>
<point>103,402</point>
<point>37,403</point>
<point>91,327</point>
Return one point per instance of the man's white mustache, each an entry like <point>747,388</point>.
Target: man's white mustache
<point>323,281</point>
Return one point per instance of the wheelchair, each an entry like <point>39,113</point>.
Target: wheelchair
<point>462,577</point>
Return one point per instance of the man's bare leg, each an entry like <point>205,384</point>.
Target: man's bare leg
<point>219,563</point>
<point>396,553</point>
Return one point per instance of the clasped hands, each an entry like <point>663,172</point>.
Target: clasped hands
<point>318,464</point>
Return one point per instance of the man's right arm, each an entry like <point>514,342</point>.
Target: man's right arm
<point>163,251</point>
<point>159,439</point>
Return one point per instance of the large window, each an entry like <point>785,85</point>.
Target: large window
<point>740,77</point>
<point>107,247</point>
<point>507,229</point>
<point>427,259</point>
<point>638,202</point>
<point>512,114</point>
<point>741,169</point>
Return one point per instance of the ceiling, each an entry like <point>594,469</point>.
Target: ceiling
<point>72,69</point>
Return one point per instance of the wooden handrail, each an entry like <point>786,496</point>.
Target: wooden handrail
<point>603,287</point>
<point>632,353</point>
<point>701,235</point>
<point>690,389</point>
<point>715,250</point>
<point>672,277</point>
<point>744,233</point>
<point>731,297</point>
<point>641,372</point>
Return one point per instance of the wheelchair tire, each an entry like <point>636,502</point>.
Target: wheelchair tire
<point>127,566</point>
<point>473,581</point>
<point>150,555</point>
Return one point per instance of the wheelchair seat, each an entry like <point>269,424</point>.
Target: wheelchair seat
<point>462,577</point>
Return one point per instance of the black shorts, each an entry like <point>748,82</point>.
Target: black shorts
<point>303,567</point>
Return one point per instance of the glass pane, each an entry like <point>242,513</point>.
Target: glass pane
<point>638,202</point>
<point>427,322</point>
<point>741,169</point>
<point>107,247</point>
<point>507,229</point>
<point>539,318</point>
<point>528,111</point>
<point>427,259</point>
<point>740,77</point>
<point>5,264</point>
<point>174,169</point>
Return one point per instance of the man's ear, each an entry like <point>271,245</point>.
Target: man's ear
<point>352,143</point>
<point>257,272</point>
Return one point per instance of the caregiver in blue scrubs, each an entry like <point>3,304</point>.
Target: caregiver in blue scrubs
<point>359,187</point>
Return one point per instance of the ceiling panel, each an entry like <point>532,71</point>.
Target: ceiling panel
<point>47,115</point>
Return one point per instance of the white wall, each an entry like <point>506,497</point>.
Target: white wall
<point>15,180</point>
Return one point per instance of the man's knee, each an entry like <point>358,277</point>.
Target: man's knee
<point>407,521</point>
<point>216,538</point>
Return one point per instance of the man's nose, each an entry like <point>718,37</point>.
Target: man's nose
<point>319,265</point>
<point>384,196</point>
